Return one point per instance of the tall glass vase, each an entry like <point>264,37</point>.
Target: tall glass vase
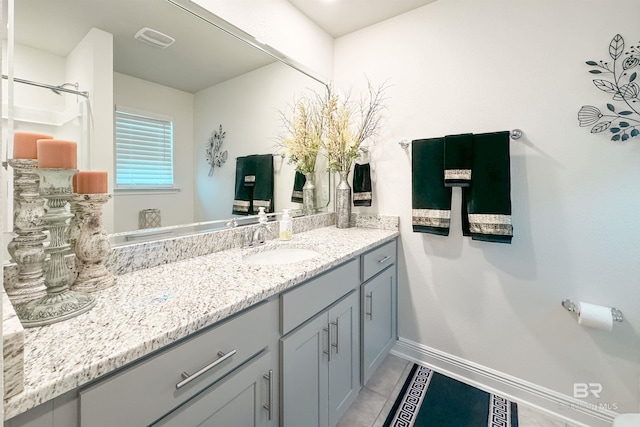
<point>343,201</point>
<point>309,194</point>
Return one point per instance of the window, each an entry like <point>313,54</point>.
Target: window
<point>144,150</point>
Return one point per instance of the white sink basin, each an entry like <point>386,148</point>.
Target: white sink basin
<point>277,256</point>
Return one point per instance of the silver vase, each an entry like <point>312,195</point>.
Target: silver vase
<point>343,201</point>
<point>309,194</point>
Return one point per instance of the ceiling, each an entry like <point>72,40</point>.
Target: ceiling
<point>201,56</point>
<point>340,17</point>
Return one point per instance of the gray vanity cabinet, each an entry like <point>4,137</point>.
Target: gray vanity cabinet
<point>296,360</point>
<point>321,357</point>
<point>378,320</point>
<point>321,366</point>
<point>344,363</point>
<point>245,399</point>
<point>179,379</point>
<point>305,375</point>
<point>379,306</point>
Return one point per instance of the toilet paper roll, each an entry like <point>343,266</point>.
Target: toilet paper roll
<point>595,316</point>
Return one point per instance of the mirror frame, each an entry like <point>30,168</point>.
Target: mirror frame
<point>227,27</point>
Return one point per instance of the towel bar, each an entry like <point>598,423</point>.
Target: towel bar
<point>514,134</point>
<point>573,308</point>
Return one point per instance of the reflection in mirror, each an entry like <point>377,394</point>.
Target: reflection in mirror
<point>205,79</point>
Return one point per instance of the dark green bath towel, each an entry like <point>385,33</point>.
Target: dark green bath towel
<point>458,160</point>
<point>431,200</point>
<point>298,183</point>
<point>487,202</point>
<point>254,184</point>
<point>362,185</point>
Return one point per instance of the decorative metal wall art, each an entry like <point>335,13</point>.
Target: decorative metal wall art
<point>622,119</point>
<point>215,155</point>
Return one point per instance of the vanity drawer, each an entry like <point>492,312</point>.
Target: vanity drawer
<point>311,297</point>
<point>378,259</point>
<point>144,392</point>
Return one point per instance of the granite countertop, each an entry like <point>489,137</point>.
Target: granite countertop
<point>152,308</point>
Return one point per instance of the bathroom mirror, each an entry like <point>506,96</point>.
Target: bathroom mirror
<point>212,75</point>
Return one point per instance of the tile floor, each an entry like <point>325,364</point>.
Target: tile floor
<point>378,395</point>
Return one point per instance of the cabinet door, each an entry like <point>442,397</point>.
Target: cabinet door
<point>344,366</point>
<point>242,400</point>
<point>304,392</point>
<point>378,320</point>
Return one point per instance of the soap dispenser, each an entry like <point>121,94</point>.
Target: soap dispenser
<point>286,226</point>
<point>262,216</point>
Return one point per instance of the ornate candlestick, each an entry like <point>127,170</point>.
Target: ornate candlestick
<point>26,248</point>
<point>60,303</point>
<point>92,245</point>
<point>76,221</point>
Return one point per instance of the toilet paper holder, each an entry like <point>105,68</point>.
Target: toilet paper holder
<point>573,308</point>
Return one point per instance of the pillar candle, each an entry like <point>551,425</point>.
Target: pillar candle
<point>91,182</point>
<point>57,153</point>
<point>25,144</point>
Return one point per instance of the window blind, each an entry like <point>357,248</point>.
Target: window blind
<point>144,150</point>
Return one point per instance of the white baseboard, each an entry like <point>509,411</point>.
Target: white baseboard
<point>557,405</point>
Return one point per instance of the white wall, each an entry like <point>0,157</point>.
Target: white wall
<point>176,207</point>
<point>248,109</point>
<point>280,25</point>
<point>90,64</point>
<point>465,66</point>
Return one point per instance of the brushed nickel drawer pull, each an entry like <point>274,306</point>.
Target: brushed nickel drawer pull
<point>328,350</point>
<point>385,259</point>
<point>370,313</point>
<point>186,378</point>
<point>336,324</point>
<point>269,404</point>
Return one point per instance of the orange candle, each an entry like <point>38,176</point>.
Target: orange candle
<point>74,182</point>
<point>91,182</point>
<point>24,144</point>
<point>57,153</point>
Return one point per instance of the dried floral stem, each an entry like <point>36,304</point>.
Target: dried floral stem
<point>349,125</point>
<point>301,138</point>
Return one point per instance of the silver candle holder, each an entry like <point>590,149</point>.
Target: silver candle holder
<point>92,245</point>
<point>76,221</point>
<point>60,302</point>
<point>27,246</point>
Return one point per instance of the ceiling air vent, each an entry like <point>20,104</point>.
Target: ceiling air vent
<point>154,38</point>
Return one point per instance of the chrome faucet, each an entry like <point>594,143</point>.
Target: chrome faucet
<point>259,235</point>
